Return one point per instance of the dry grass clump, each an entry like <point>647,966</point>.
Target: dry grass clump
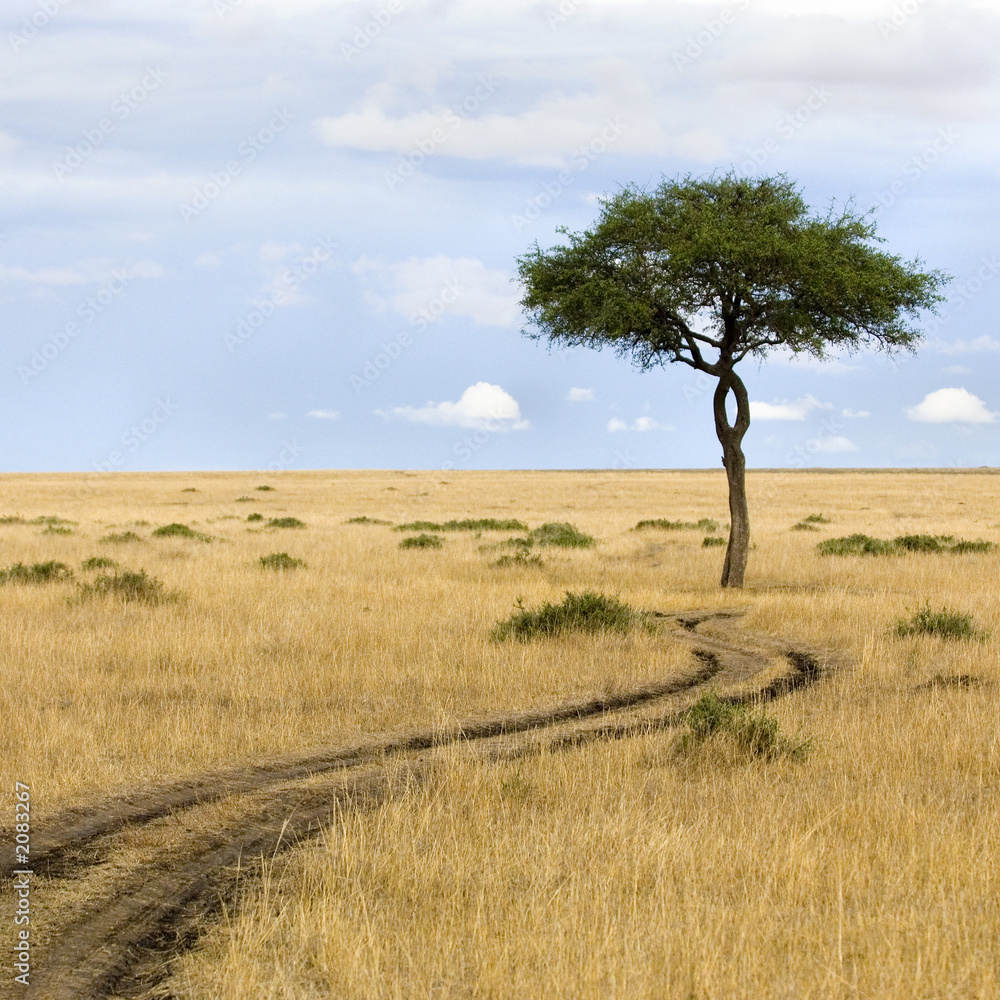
<point>422,541</point>
<point>40,572</point>
<point>128,585</point>
<point>280,560</point>
<point>944,623</point>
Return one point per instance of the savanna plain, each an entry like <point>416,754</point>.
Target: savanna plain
<point>856,855</point>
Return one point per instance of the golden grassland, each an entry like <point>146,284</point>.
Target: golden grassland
<point>615,870</point>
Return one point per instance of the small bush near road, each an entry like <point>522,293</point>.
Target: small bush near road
<point>586,612</point>
<point>43,572</point>
<point>421,542</point>
<point>280,560</point>
<point>943,623</point>
<point>750,734</point>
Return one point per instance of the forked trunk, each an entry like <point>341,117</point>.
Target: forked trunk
<point>731,439</point>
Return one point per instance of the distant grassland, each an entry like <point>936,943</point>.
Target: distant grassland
<point>868,869</point>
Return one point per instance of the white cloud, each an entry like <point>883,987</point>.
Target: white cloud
<point>951,406</point>
<point>482,405</point>
<point>429,287</point>
<point>984,343</point>
<point>580,395</point>
<point>324,414</point>
<point>785,410</point>
<point>278,416</point>
<point>207,260</point>
<point>8,142</point>
<point>835,445</point>
<point>641,424</point>
<point>856,414</point>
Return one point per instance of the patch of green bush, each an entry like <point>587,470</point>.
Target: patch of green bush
<point>255,517</point>
<point>963,547</point>
<point>586,612</point>
<point>189,489</point>
<point>12,519</point>
<point>98,562</point>
<point>43,572</point>
<point>280,560</point>
<point>246,500</point>
<point>943,623</point>
<point>121,538</point>
<point>364,519</point>
<point>265,488</point>
<point>923,543</point>
<point>50,521</point>
<point>55,529</point>
<point>285,522</point>
<point>662,524</point>
<point>128,585</point>
<point>855,545</point>
<point>713,541</point>
<point>468,524</point>
<point>423,541</point>
<point>176,530</point>
<point>751,734</point>
<point>561,534</point>
<point>519,558</point>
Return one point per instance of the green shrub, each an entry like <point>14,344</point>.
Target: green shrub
<point>815,519</point>
<point>713,541</point>
<point>43,572</point>
<point>285,522</point>
<point>176,530</point>
<point>121,538</point>
<point>923,543</point>
<point>469,524</point>
<point>280,560</point>
<point>561,534</point>
<point>962,547</point>
<point>255,517</point>
<point>49,520</point>
<point>586,612</point>
<point>12,519</point>
<point>750,734</point>
<point>944,623</point>
<point>421,542</point>
<point>266,489</point>
<point>246,500</point>
<point>364,519</point>
<point>705,524</point>
<point>803,526</point>
<point>189,489</point>
<point>519,558</point>
<point>98,562</point>
<point>54,529</point>
<point>855,545</point>
<point>129,586</point>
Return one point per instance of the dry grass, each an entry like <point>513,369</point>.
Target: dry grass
<point>613,871</point>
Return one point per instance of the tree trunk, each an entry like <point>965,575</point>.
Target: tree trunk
<point>731,439</point>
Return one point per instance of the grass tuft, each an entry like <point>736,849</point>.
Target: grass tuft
<point>855,545</point>
<point>586,612</point>
<point>285,522</point>
<point>121,538</point>
<point>176,530</point>
<point>944,623</point>
<point>364,519</point>
<point>55,529</point>
<point>246,500</point>
<point>265,488</point>
<point>128,585</point>
<point>750,735</point>
<point>964,547</point>
<point>98,562</point>
<point>519,558</point>
<point>468,524</point>
<point>43,572</point>
<point>561,534</point>
<point>280,560</point>
<point>12,519</point>
<point>421,542</point>
<point>713,541</point>
<point>255,517</point>
<point>662,524</point>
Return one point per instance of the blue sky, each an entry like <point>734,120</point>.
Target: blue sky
<point>248,234</point>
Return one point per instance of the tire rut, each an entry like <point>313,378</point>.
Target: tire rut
<point>135,914</point>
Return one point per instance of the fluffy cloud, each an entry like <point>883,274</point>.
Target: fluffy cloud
<point>642,424</point>
<point>797,410</point>
<point>856,414</point>
<point>951,406</point>
<point>580,395</point>
<point>429,287</point>
<point>324,414</point>
<point>482,406</point>
<point>835,445</point>
<point>984,343</point>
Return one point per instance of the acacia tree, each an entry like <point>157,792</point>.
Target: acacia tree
<point>707,272</point>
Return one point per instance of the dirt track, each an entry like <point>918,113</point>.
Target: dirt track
<point>132,876</point>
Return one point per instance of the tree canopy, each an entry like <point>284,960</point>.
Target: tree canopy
<point>705,272</point>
